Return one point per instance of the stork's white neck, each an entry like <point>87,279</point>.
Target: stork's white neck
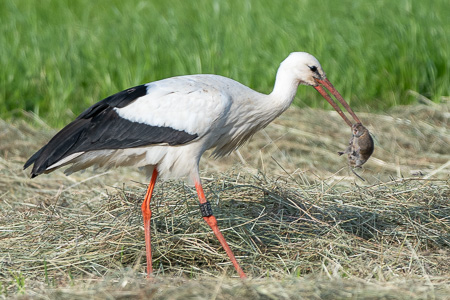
<point>284,89</point>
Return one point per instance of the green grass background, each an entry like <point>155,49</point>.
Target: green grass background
<point>58,57</point>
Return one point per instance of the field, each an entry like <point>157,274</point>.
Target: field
<point>301,224</point>
<point>59,57</point>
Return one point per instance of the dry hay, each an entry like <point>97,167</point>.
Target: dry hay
<point>300,224</point>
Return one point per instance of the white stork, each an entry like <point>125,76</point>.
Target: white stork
<point>166,126</point>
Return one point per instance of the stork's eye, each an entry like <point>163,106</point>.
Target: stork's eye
<point>313,68</point>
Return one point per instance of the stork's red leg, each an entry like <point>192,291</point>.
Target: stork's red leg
<point>147,214</point>
<point>212,222</point>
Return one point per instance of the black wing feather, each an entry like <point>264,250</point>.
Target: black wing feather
<point>99,127</point>
<point>119,100</point>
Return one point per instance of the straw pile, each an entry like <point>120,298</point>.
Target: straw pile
<point>299,222</point>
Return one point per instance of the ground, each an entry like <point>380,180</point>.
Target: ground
<point>301,224</point>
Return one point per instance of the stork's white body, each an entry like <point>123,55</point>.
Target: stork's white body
<point>222,112</point>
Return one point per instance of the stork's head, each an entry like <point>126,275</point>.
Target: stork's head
<point>306,70</point>
<point>304,67</point>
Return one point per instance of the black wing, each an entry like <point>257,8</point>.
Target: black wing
<point>99,127</point>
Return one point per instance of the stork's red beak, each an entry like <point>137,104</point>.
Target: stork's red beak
<point>327,84</point>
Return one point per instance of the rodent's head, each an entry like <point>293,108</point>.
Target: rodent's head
<point>358,129</point>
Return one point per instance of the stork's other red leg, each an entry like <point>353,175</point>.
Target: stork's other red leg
<point>212,222</point>
<point>147,214</point>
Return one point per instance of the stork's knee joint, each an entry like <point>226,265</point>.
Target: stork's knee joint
<point>206,209</point>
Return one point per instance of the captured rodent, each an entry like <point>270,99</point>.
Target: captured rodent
<point>360,146</point>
